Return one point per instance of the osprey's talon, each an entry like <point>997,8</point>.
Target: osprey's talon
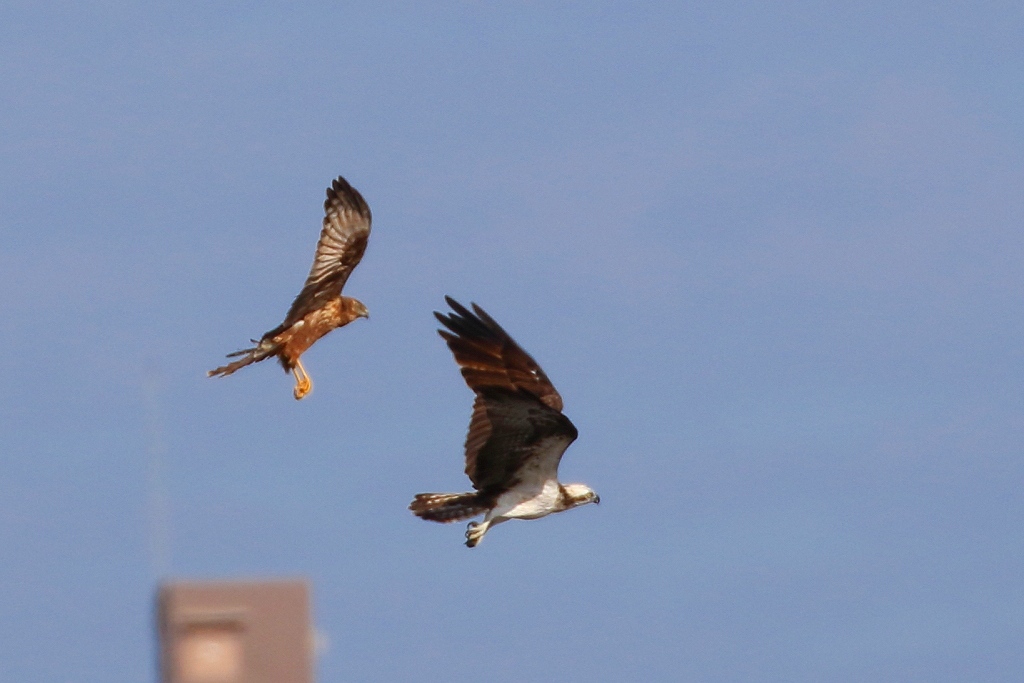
<point>474,532</point>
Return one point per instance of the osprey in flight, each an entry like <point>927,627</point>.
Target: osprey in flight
<point>319,307</point>
<point>516,436</point>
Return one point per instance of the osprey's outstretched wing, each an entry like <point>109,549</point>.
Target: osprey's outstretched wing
<point>517,411</point>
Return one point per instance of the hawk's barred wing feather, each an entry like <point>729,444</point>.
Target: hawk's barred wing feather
<point>343,238</point>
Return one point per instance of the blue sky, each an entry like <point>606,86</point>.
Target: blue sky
<point>771,255</point>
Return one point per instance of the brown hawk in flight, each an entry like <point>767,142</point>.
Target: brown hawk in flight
<point>319,307</point>
<point>517,434</point>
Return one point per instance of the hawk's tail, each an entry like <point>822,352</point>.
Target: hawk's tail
<point>448,507</point>
<point>253,355</point>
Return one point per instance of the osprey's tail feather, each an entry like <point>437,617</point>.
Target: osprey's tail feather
<point>254,355</point>
<point>448,507</point>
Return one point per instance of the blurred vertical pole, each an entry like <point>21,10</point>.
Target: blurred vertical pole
<point>157,504</point>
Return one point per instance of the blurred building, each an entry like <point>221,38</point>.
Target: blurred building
<point>235,632</point>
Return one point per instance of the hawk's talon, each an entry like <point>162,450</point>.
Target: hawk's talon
<point>303,384</point>
<point>302,387</point>
<point>300,392</point>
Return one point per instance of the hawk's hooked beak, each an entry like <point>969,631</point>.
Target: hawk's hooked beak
<point>597,499</point>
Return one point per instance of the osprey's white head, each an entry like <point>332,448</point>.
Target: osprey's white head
<point>579,494</point>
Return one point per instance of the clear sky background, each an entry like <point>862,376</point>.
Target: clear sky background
<point>771,254</point>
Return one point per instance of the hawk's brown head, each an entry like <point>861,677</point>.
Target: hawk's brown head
<point>356,308</point>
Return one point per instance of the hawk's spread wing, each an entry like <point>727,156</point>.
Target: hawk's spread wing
<point>341,246</point>
<point>517,411</point>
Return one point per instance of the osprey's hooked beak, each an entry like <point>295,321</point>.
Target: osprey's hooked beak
<point>597,499</point>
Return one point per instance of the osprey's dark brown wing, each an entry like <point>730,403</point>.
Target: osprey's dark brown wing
<point>341,246</point>
<point>507,432</point>
<point>517,411</point>
<point>489,357</point>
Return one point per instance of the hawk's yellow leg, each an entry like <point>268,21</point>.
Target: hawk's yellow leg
<point>303,384</point>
